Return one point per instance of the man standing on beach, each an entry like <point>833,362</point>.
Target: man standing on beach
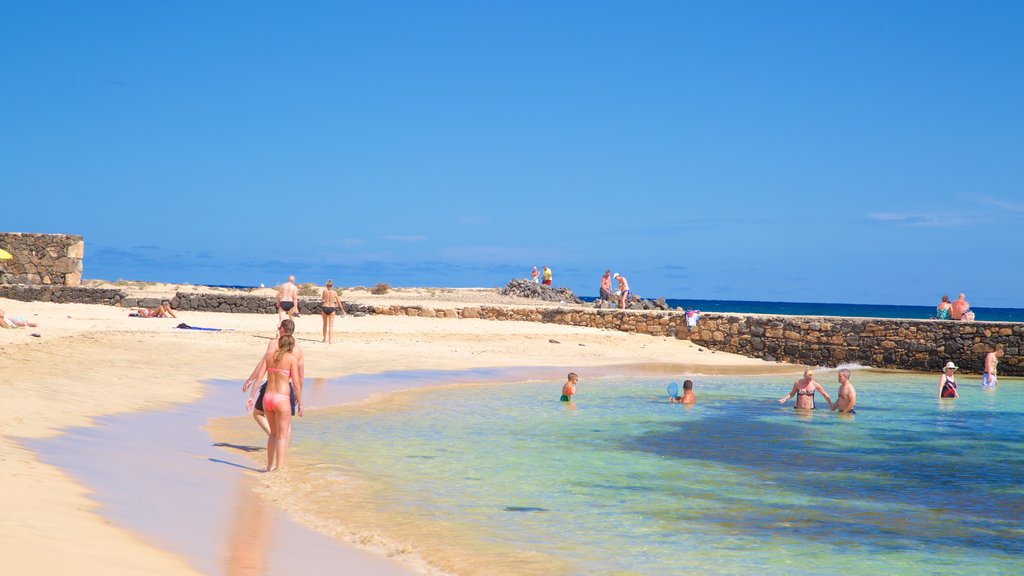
<point>258,414</point>
<point>988,377</point>
<point>846,398</point>
<point>606,286</point>
<point>547,276</point>
<point>287,298</point>
<point>959,307</point>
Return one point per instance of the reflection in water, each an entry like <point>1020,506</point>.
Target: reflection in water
<point>250,532</point>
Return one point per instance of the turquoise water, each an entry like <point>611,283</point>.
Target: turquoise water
<point>623,482</point>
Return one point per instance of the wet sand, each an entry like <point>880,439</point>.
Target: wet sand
<point>93,362</point>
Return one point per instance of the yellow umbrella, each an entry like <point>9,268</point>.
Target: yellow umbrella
<point>5,255</point>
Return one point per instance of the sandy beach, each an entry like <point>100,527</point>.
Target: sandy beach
<point>90,362</point>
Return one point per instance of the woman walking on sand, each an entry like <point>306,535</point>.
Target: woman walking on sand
<point>331,303</point>
<point>282,365</point>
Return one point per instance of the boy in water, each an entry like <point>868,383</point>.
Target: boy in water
<point>989,376</point>
<point>687,397</point>
<point>569,388</point>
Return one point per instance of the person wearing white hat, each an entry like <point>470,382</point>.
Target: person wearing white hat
<point>947,384</point>
<point>623,290</point>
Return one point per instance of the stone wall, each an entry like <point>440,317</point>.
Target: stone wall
<point>62,294</point>
<point>47,259</point>
<point>924,345</point>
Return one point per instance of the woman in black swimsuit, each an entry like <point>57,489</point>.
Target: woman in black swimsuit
<point>947,384</point>
<point>331,303</point>
<point>804,390</point>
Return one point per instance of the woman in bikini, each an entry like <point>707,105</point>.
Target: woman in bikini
<point>282,365</point>
<point>947,384</point>
<point>331,303</point>
<point>804,390</point>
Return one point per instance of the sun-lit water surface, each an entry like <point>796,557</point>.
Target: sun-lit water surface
<point>506,479</point>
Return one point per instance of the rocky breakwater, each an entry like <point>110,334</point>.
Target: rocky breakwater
<point>62,294</point>
<point>238,304</point>
<point>528,289</point>
<point>924,345</point>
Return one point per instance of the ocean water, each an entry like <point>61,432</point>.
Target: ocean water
<point>835,309</point>
<point>504,479</point>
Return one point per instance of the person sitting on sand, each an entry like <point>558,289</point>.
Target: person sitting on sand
<point>943,309</point>
<point>687,397</point>
<point>846,398</point>
<point>282,369</point>
<point>988,377</point>
<point>256,395</point>
<point>804,390</point>
<point>958,308</point>
<point>947,384</point>
<point>330,303</point>
<point>161,311</point>
<point>14,321</point>
<point>569,388</point>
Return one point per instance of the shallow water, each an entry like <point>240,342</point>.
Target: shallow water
<point>492,479</point>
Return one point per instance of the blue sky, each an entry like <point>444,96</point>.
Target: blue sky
<point>863,152</point>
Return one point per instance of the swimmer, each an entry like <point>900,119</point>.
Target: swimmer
<point>988,377</point>
<point>804,390</point>
<point>687,397</point>
<point>569,388</point>
<point>947,384</point>
<point>846,398</point>
<point>282,366</point>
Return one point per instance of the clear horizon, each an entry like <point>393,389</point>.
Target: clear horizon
<point>862,153</point>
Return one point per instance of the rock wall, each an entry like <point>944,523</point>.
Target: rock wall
<point>62,294</point>
<point>47,259</point>
<point>924,345</point>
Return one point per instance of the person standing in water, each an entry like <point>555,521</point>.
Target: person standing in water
<point>846,398</point>
<point>947,384</point>
<point>282,370</point>
<point>569,388</point>
<point>256,395</point>
<point>804,390</point>
<point>988,377</point>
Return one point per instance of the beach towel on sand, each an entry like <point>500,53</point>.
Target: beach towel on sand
<point>184,326</point>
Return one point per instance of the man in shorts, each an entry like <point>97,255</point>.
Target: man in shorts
<point>287,299</point>
<point>258,414</point>
<point>846,398</point>
<point>988,377</point>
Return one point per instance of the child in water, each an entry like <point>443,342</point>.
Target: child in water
<point>687,397</point>
<point>569,388</point>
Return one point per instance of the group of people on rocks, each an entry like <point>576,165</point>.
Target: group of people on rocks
<point>622,293</point>
<point>960,309</point>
